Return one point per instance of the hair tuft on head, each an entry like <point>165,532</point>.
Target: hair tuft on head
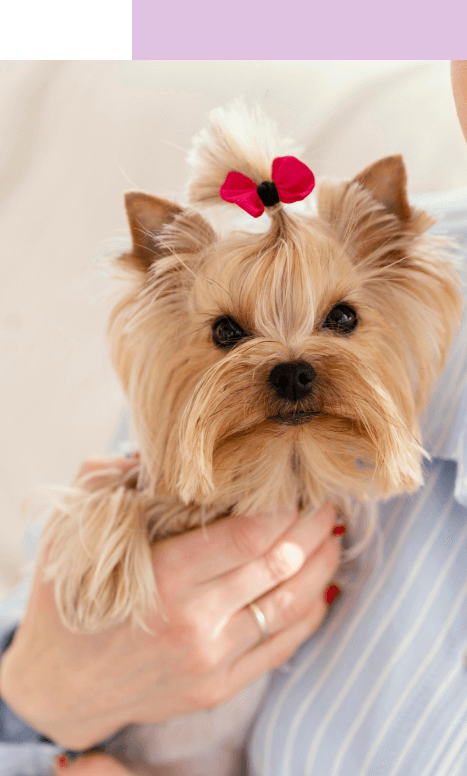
<point>238,138</point>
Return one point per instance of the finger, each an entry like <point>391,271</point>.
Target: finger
<point>245,585</point>
<point>273,652</point>
<point>95,463</point>
<point>98,462</point>
<point>92,765</point>
<point>298,599</point>
<point>117,463</point>
<point>205,554</point>
<point>120,464</point>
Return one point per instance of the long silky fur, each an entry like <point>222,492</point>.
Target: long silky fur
<point>203,416</point>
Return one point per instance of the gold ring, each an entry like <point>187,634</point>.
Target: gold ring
<point>260,620</point>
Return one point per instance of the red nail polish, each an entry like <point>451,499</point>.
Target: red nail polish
<point>62,761</point>
<point>339,529</point>
<point>331,593</point>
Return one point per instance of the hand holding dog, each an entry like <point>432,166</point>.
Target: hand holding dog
<point>77,689</point>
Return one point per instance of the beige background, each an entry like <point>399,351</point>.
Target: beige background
<point>73,137</point>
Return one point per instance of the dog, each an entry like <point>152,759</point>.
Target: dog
<point>263,369</point>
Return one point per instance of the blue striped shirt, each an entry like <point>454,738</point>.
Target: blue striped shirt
<point>381,688</point>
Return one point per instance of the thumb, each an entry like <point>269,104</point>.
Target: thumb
<point>90,765</point>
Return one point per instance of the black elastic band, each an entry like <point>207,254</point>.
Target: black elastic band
<point>267,192</point>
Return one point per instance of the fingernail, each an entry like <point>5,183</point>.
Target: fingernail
<point>61,761</point>
<point>331,593</point>
<point>339,529</point>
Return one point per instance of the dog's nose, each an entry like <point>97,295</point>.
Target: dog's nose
<point>292,380</point>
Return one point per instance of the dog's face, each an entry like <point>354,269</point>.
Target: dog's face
<point>293,365</point>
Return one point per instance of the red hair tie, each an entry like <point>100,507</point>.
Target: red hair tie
<point>292,181</point>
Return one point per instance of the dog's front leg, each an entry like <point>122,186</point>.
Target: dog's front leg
<point>99,556</point>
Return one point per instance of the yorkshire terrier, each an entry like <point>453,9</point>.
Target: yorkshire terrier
<point>263,369</point>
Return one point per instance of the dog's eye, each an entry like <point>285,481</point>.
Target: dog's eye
<point>226,332</point>
<point>342,319</point>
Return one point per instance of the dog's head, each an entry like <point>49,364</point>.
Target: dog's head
<point>266,368</point>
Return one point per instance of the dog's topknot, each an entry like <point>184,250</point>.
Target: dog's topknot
<point>240,139</point>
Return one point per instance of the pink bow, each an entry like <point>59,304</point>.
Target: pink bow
<point>293,180</point>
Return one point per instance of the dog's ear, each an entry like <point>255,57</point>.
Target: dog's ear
<point>159,227</point>
<point>386,181</point>
<point>371,214</point>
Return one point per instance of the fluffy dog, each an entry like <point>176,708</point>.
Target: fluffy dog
<point>262,369</point>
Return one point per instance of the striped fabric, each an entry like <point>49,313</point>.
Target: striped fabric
<point>381,689</point>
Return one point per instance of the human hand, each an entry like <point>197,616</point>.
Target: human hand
<point>78,689</point>
<point>90,765</point>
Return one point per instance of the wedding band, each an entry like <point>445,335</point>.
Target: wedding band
<point>260,620</point>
